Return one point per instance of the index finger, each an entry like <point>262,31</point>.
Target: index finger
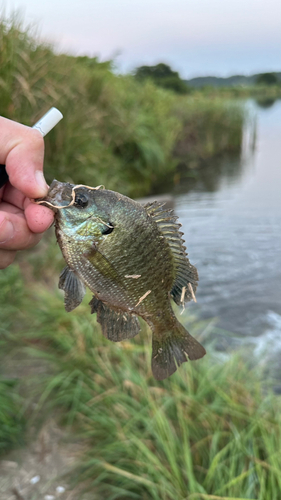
<point>38,218</point>
<point>22,151</point>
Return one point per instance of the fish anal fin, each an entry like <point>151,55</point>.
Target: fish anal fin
<point>74,289</point>
<point>185,273</point>
<point>185,284</point>
<point>116,325</point>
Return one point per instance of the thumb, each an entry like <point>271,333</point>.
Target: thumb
<point>22,150</point>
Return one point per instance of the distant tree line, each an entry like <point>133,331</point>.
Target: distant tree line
<point>163,76</point>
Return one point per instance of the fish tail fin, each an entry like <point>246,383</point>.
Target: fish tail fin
<point>170,348</point>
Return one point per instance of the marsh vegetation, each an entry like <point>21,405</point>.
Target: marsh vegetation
<point>212,430</point>
<point>117,131</point>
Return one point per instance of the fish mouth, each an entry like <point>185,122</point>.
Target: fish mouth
<point>59,196</point>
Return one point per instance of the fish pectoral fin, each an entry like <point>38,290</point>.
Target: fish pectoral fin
<point>103,265</point>
<point>74,289</point>
<point>116,325</point>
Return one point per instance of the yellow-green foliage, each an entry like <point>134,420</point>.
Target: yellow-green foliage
<point>211,431</point>
<point>116,131</point>
<point>209,127</point>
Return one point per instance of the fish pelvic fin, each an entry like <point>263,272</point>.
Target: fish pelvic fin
<point>170,348</point>
<point>116,325</point>
<point>74,289</point>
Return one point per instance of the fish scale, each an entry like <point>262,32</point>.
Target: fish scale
<point>133,260</point>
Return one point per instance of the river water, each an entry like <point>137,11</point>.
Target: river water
<point>232,228</point>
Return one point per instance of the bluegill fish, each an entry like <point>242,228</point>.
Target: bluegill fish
<point>133,259</point>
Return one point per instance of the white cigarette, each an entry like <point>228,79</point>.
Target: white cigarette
<point>48,121</point>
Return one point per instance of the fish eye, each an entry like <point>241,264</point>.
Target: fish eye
<point>81,200</point>
<point>108,229</point>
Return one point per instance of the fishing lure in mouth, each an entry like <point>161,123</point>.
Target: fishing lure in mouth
<point>134,261</point>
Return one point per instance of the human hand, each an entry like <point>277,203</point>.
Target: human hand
<point>22,222</point>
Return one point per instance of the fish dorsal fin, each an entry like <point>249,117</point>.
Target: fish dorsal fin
<point>74,289</point>
<point>186,278</point>
<point>116,325</point>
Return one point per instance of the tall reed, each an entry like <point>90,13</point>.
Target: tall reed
<point>211,431</point>
<point>116,131</point>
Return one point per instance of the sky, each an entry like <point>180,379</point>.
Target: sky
<point>195,37</point>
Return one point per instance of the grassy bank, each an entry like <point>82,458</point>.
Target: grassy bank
<point>211,431</point>
<point>116,131</point>
<point>261,93</point>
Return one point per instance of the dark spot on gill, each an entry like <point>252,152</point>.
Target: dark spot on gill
<point>108,229</point>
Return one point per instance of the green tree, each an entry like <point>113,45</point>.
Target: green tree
<point>267,79</point>
<point>163,76</point>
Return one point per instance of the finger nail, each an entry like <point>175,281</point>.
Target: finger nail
<point>41,183</point>
<point>6,231</point>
